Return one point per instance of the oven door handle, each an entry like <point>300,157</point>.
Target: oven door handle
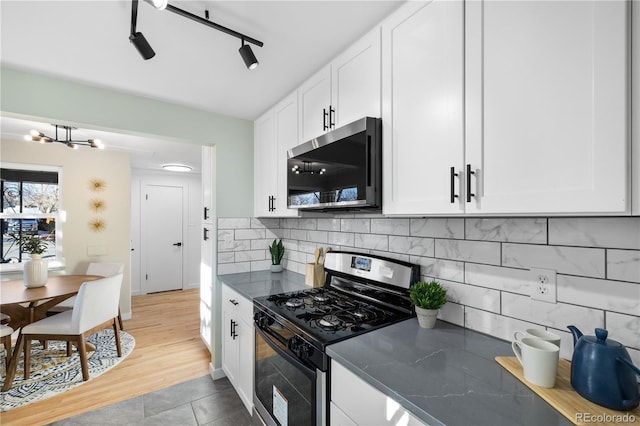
<point>293,360</point>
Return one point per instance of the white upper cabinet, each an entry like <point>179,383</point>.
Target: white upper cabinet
<point>355,81</point>
<point>423,116</point>
<point>547,94</point>
<point>314,102</point>
<point>264,160</point>
<point>274,133</point>
<point>343,91</point>
<point>531,108</point>
<point>286,116</point>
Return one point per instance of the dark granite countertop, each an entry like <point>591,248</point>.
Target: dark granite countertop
<point>446,375</point>
<point>263,283</point>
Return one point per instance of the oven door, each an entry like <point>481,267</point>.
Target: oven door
<point>286,388</point>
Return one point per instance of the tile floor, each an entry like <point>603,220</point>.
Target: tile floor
<point>197,402</point>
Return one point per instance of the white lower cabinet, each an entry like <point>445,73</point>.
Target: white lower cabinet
<point>238,343</point>
<point>355,402</point>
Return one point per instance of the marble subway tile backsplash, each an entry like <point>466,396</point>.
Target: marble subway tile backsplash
<point>484,262</point>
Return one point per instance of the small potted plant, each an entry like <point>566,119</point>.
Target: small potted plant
<point>35,270</point>
<point>428,297</point>
<point>277,252</point>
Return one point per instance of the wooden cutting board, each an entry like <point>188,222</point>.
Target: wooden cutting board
<point>567,401</point>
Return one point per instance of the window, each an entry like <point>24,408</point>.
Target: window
<point>30,206</point>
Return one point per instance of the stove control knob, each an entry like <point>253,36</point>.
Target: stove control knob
<point>261,319</point>
<point>299,347</point>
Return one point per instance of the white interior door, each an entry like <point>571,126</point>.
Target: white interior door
<point>162,229</point>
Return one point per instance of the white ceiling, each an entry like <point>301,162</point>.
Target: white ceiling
<point>196,66</point>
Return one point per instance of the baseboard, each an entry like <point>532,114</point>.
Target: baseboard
<point>126,315</point>
<point>216,373</point>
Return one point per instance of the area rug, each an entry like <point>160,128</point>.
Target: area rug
<point>52,372</point>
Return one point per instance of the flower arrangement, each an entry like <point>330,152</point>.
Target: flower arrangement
<point>33,244</point>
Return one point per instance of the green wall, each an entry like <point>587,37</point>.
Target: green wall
<point>33,96</point>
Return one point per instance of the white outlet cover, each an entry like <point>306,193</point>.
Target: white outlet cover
<point>543,284</point>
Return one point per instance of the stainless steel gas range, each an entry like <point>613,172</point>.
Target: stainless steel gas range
<point>292,330</point>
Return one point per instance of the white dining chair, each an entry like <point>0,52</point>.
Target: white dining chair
<point>105,269</point>
<point>96,304</point>
<point>5,333</point>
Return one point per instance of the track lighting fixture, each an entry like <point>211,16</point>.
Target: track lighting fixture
<point>138,40</point>
<point>158,4</point>
<point>38,136</point>
<point>247,55</point>
<point>147,52</point>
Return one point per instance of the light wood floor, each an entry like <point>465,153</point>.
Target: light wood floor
<point>168,351</point>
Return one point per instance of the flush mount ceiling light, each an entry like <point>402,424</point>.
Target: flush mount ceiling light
<point>68,140</point>
<point>307,167</point>
<point>147,52</point>
<point>176,167</point>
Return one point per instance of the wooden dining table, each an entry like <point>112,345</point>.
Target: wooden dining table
<point>29,304</point>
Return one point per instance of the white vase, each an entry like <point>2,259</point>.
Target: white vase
<point>276,268</point>
<point>426,317</point>
<point>35,271</point>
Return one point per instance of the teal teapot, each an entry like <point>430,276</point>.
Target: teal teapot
<point>602,371</point>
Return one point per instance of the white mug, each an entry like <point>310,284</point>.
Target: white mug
<point>539,360</point>
<point>538,333</point>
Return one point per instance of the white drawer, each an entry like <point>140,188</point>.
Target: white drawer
<point>363,404</point>
<point>232,300</point>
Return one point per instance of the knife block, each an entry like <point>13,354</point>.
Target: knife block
<point>314,275</point>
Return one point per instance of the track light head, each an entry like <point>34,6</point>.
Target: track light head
<point>158,4</point>
<point>142,45</point>
<point>247,56</point>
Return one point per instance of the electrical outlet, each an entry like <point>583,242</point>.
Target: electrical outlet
<point>543,284</point>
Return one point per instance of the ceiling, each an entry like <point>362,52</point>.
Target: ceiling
<point>195,65</point>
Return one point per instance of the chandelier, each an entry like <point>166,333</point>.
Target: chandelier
<point>38,136</point>
<point>307,167</point>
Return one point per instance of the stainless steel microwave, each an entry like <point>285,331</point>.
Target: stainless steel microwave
<point>341,169</point>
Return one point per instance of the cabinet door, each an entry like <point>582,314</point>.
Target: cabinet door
<point>264,160</point>
<point>547,106</point>
<point>286,116</point>
<point>314,96</point>
<point>207,181</point>
<point>370,407</point>
<point>423,117</point>
<point>207,274</point>
<point>355,81</point>
<point>229,346</point>
<point>245,363</point>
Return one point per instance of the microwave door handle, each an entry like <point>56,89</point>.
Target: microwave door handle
<point>368,162</point>
<point>310,373</point>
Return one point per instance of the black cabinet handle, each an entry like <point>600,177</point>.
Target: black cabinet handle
<point>177,244</point>
<point>234,302</point>
<point>272,203</point>
<point>332,111</point>
<point>206,213</point>
<point>325,116</point>
<point>469,173</point>
<point>233,329</point>
<point>453,185</point>
<point>206,234</point>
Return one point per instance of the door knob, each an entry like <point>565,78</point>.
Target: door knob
<point>178,244</point>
